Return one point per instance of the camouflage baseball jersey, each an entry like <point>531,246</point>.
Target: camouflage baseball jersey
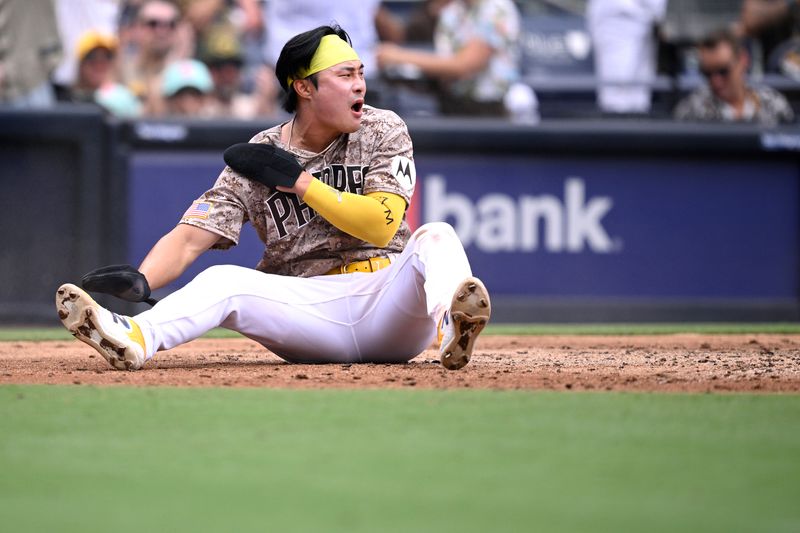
<point>298,242</point>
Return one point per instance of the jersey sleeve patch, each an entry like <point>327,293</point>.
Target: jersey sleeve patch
<point>199,210</point>
<point>404,172</point>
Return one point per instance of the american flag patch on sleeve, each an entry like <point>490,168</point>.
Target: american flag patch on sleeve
<point>198,210</point>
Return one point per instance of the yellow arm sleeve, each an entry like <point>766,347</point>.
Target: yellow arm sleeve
<point>373,218</point>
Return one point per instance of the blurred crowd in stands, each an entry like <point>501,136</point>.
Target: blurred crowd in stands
<point>700,60</point>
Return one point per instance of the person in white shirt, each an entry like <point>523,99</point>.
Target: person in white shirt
<point>624,52</point>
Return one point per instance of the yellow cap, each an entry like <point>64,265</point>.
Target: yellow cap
<point>94,39</point>
<point>331,51</point>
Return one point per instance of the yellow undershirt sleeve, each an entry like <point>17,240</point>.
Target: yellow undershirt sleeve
<point>373,218</point>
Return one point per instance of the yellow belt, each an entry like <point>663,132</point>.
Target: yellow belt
<point>368,265</point>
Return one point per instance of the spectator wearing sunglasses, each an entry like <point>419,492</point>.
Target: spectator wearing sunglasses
<point>727,96</point>
<point>158,38</point>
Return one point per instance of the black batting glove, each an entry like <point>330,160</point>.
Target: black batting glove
<point>263,163</point>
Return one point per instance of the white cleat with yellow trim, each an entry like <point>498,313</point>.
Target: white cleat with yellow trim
<point>460,325</point>
<point>117,338</point>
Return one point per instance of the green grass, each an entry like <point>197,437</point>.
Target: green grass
<point>58,333</point>
<point>120,459</point>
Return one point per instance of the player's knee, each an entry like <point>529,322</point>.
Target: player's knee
<point>436,231</point>
<point>219,275</point>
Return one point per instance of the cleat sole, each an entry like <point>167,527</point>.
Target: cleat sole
<point>470,312</point>
<point>77,315</point>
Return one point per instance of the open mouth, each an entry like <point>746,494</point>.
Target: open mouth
<point>357,107</point>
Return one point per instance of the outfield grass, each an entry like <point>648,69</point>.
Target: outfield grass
<point>159,459</point>
<point>59,333</point>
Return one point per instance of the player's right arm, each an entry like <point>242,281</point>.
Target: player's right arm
<point>174,252</point>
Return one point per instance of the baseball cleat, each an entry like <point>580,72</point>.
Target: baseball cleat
<point>117,338</point>
<point>469,312</point>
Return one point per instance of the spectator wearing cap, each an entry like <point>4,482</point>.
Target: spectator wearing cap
<point>728,97</point>
<point>94,83</point>
<point>221,51</point>
<point>75,19</point>
<point>95,52</point>
<point>187,88</point>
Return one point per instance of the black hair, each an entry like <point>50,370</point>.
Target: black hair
<point>296,55</point>
<point>722,36</point>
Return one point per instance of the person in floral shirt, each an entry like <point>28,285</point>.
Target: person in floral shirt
<point>728,97</point>
<point>476,58</point>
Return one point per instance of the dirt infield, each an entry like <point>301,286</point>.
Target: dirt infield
<point>668,363</point>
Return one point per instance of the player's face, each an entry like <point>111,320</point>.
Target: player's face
<point>338,100</point>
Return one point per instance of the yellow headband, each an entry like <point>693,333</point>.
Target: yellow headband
<point>331,51</point>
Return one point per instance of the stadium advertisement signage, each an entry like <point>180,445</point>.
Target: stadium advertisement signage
<point>560,227</point>
<point>604,226</point>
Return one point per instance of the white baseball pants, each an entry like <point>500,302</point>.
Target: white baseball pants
<point>388,316</point>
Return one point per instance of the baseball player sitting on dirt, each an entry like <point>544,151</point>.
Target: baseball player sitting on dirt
<point>342,279</point>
